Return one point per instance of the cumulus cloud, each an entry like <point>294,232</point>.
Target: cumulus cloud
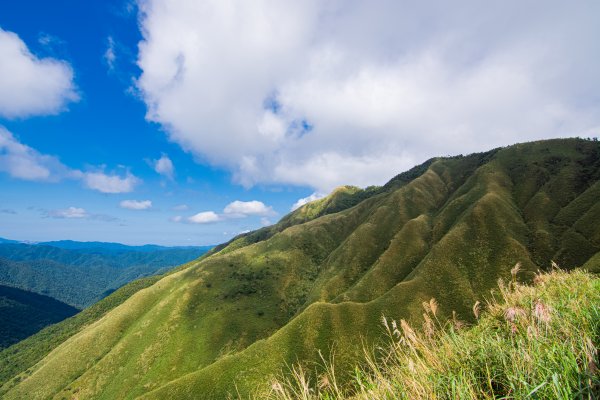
<point>71,212</point>
<point>30,85</point>
<point>206,217</point>
<point>235,209</point>
<point>23,162</point>
<point>164,166</point>
<point>136,204</point>
<point>329,93</point>
<point>110,183</point>
<point>306,200</point>
<point>242,209</point>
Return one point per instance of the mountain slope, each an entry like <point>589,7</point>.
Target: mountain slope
<point>448,230</point>
<point>24,313</point>
<point>82,273</point>
<point>531,341</point>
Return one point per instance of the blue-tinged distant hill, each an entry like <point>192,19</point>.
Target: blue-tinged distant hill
<point>109,247</point>
<point>81,273</point>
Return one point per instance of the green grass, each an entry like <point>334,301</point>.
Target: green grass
<point>321,278</point>
<point>533,342</point>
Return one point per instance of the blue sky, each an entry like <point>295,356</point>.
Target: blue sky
<point>106,127</point>
<point>252,107</point>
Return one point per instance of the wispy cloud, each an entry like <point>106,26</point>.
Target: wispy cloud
<point>71,212</point>
<point>136,204</point>
<point>23,162</point>
<point>110,56</point>
<point>76,213</point>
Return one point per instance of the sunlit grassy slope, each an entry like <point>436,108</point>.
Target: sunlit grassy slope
<point>537,341</point>
<point>324,275</point>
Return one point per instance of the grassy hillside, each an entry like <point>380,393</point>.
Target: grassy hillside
<point>82,273</point>
<point>24,313</point>
<point>532,342</point>
<point>326,273</point>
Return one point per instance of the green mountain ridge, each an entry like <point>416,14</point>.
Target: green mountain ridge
<point>322,277</point>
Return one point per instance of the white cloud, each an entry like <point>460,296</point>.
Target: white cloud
<point>164,166</point>
<point>110,56</point>
<point>181,207</point>
<point>30,85</point>
<point>235,209</point>
<point>110,183</point>
<point>71,212</point>
<point>23,162</point>
<point>306,200</point>
<point>241,209</point>
<point>329,93</point>
<point>136,204</point>
<point>205,217</point>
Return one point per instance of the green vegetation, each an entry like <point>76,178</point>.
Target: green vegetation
<point>321,278</point>
<point>24,313</point>
<point>537,342</point>
<point>24,354</point>
<point>82,275</point>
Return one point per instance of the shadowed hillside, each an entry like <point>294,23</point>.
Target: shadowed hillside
<point>325,274</point>
<point>24,313</point>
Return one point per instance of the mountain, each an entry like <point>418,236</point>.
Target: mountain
<point>23,313</point>
<point>113,248</point>
<point>80,273</point>
<point>318,282</point>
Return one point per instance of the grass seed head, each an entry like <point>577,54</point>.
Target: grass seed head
<point>541,312</point>
<point>512,314</point>
<point>476,309</point>
<point>433,305</point>
<point>514,271</point>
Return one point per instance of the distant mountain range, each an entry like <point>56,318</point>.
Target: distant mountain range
<point>314,286</point>
<point>108,247</point>
<point>80,273</point>
<point>75,273</point>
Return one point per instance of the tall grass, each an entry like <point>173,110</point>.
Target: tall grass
<point>537,341</point>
